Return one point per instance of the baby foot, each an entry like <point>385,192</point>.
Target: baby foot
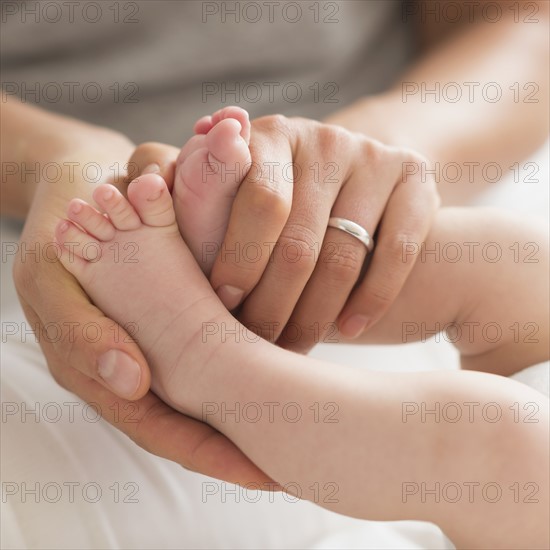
<point>209,170</point>
<point>131,262</point>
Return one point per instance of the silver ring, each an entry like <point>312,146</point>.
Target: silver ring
<point>353,229</point>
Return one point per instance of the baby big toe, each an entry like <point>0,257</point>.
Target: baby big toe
<point>228,151</point>
<point>235,113</point>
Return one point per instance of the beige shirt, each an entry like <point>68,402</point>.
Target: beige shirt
<point>151,68</point>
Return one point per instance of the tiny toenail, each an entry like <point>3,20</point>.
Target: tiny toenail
<point>63,227</point>
<point>151,169</point>
<point>154,196</point>
<point>108,194</point>
<point>76,207</point>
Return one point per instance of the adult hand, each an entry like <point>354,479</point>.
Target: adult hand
<point>95,358</point>
<point>303,173</point>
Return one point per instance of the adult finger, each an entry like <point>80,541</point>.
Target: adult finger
<point>259,213</point>
<point>361,200</point>
<point>405,223</point>
<point>324,168</point>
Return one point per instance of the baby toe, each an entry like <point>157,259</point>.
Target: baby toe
<point>151,199</point>
<point>92,221</point>
<point>120,211</point>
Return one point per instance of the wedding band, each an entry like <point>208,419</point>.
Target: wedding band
<point>353,229</point>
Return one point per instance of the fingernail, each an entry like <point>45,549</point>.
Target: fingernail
<point>121,373</point>
<point>354,326</point>
<point>230,296</point>
<point>151,169</point>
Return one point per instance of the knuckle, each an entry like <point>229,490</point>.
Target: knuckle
<point>331,139</point>
<point>343,266</point>
<point>416,168</point>
<point>69,347</point>
<point>278,123</point>
<point>369,148</point>
<point>394,244</point>
<point>382,159</point>
<point>237,272</point>
<point>380,295</point>
<point>145,149</point>
<point>296,248</point>
<point>144,154</point>
<point>268,202</point>
<point>413,156</point>
<point>299,270</point>
<point>139,432</point>
<point>374,159</point>
<point>302,234</point>
<point>297,267</point>
<point>380,292</point>
<point>79,342</point>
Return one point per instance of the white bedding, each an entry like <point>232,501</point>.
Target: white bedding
<point>175,508</point>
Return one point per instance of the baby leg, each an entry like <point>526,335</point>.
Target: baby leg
<point>346,439</point>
